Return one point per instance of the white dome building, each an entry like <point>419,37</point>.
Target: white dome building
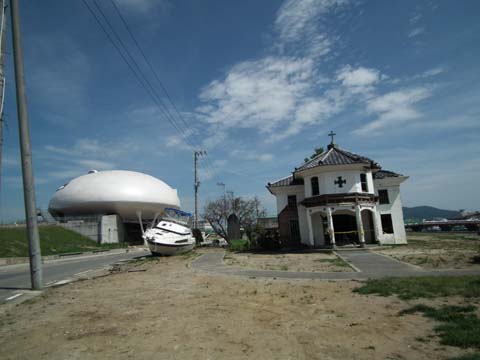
<point>119,192</point>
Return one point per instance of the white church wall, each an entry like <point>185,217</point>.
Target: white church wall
<point>394,208</point>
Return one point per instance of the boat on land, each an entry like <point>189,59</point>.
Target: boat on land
<point>171,235</point>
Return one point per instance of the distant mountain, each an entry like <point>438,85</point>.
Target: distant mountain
<point>427,212</point>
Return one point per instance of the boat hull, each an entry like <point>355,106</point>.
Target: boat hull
<point>167,249</point>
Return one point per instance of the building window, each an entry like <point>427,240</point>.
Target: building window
<point>387,224</point>
<point>315,189</point>
<point>383,197</point>
<point>363,180</point>
<point>292,200</point>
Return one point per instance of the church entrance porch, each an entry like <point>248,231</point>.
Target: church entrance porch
<point>341,225</point>
<point>345,229</point>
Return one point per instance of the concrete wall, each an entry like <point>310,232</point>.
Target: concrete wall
<point>106,229</point>
<point>88,228</point>
<point>111,230</point>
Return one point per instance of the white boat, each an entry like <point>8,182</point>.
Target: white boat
<point>171,235</point>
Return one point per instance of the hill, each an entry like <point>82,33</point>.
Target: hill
<point>53,240</point>
<point>426,212</point>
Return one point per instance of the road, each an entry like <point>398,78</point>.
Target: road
<point>15,279</point>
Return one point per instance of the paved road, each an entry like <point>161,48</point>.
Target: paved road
<point>16,278</point>
<point>367,264</point>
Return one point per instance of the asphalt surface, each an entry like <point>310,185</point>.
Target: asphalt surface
<point>365,264</point>
<point>15,279</point>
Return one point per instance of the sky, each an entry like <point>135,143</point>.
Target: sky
<point>257,84</point>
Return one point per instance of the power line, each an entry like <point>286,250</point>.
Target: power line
<point>152,69</point>
<point>148,87</point>
<point>140,76</point>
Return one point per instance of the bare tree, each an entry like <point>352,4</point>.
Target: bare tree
<point>247,211</point>
<point>214,213</point>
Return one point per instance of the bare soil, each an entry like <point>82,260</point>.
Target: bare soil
<point>438,251</point>
<point>316,262</point>
<point>163,309</point>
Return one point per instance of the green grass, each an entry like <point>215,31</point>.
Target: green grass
<point>238,245</point>
<point>53,240</point>
<point>422,287</point>
<point>459,326</point>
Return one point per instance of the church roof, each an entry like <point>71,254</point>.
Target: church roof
<point>287,181</point>
<point>382,174</point>
<point>336,156</point>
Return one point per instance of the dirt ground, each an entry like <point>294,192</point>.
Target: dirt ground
<point>316,262</point>
<point>163,309</point>
<point>438,251</point>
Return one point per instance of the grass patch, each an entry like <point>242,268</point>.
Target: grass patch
<point>53,240</point>
<point>460,325</point>
<point>238,245</point>
<point>475,356</point>
<point>422,287</point>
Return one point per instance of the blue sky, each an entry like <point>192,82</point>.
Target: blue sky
<point>259,84</point>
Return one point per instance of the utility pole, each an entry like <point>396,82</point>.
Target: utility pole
<point>224,201</point>
<point>196,184</point>
<point>2,78</point>
<point>26,152</point>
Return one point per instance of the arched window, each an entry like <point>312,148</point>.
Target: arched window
<point>315,189</point>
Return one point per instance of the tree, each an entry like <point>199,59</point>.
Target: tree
<point>247,210</point>
<point>317,152</point>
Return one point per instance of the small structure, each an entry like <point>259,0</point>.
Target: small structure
<point>339,198</point>
<point>233,227</point>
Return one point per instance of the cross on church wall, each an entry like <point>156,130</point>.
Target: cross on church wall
<point>340,182</point>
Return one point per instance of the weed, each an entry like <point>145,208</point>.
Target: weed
<point>422,287</point>
<point>460,325</point>
<point>238,245</point>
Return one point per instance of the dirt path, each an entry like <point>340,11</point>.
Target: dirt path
<point>171,311</point>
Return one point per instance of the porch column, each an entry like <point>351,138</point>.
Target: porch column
<point>375,225</point>
<point>361,232</point>
<point>310,228</point>
<point>331,230</point>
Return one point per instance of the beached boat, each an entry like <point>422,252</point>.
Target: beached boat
<point>171,235</point>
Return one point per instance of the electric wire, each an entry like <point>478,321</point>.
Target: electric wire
<point>140,76</point>
<point>155,74</point>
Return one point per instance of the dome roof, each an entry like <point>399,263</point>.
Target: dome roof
<point>114,192</point>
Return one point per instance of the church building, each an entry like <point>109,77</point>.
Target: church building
<point>339,198</point>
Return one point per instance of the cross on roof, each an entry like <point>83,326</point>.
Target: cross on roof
<point>332,134</point>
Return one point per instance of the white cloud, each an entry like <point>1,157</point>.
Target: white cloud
<point>298,26</point>
<point>433,72</point>
<point>393,108</point>
<point>416,32</point>
<point>251,155</point>
<point>143,6</point>
<point>358,80</point>
<point>258,94</point>
<point>295,18</point>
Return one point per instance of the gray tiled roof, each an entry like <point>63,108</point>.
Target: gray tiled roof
<point>382,174</point>
<point>288,181</point>
<point>336,156</point>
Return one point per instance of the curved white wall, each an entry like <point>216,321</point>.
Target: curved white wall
<point>114,192</point>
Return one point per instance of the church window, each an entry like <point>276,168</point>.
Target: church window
<point>315,188</point>
<point>292,200</point>
<point>383,197</point>
<point>363,180</point>
<point>387,224</point>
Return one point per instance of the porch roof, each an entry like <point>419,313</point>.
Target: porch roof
<point>334,199</point>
